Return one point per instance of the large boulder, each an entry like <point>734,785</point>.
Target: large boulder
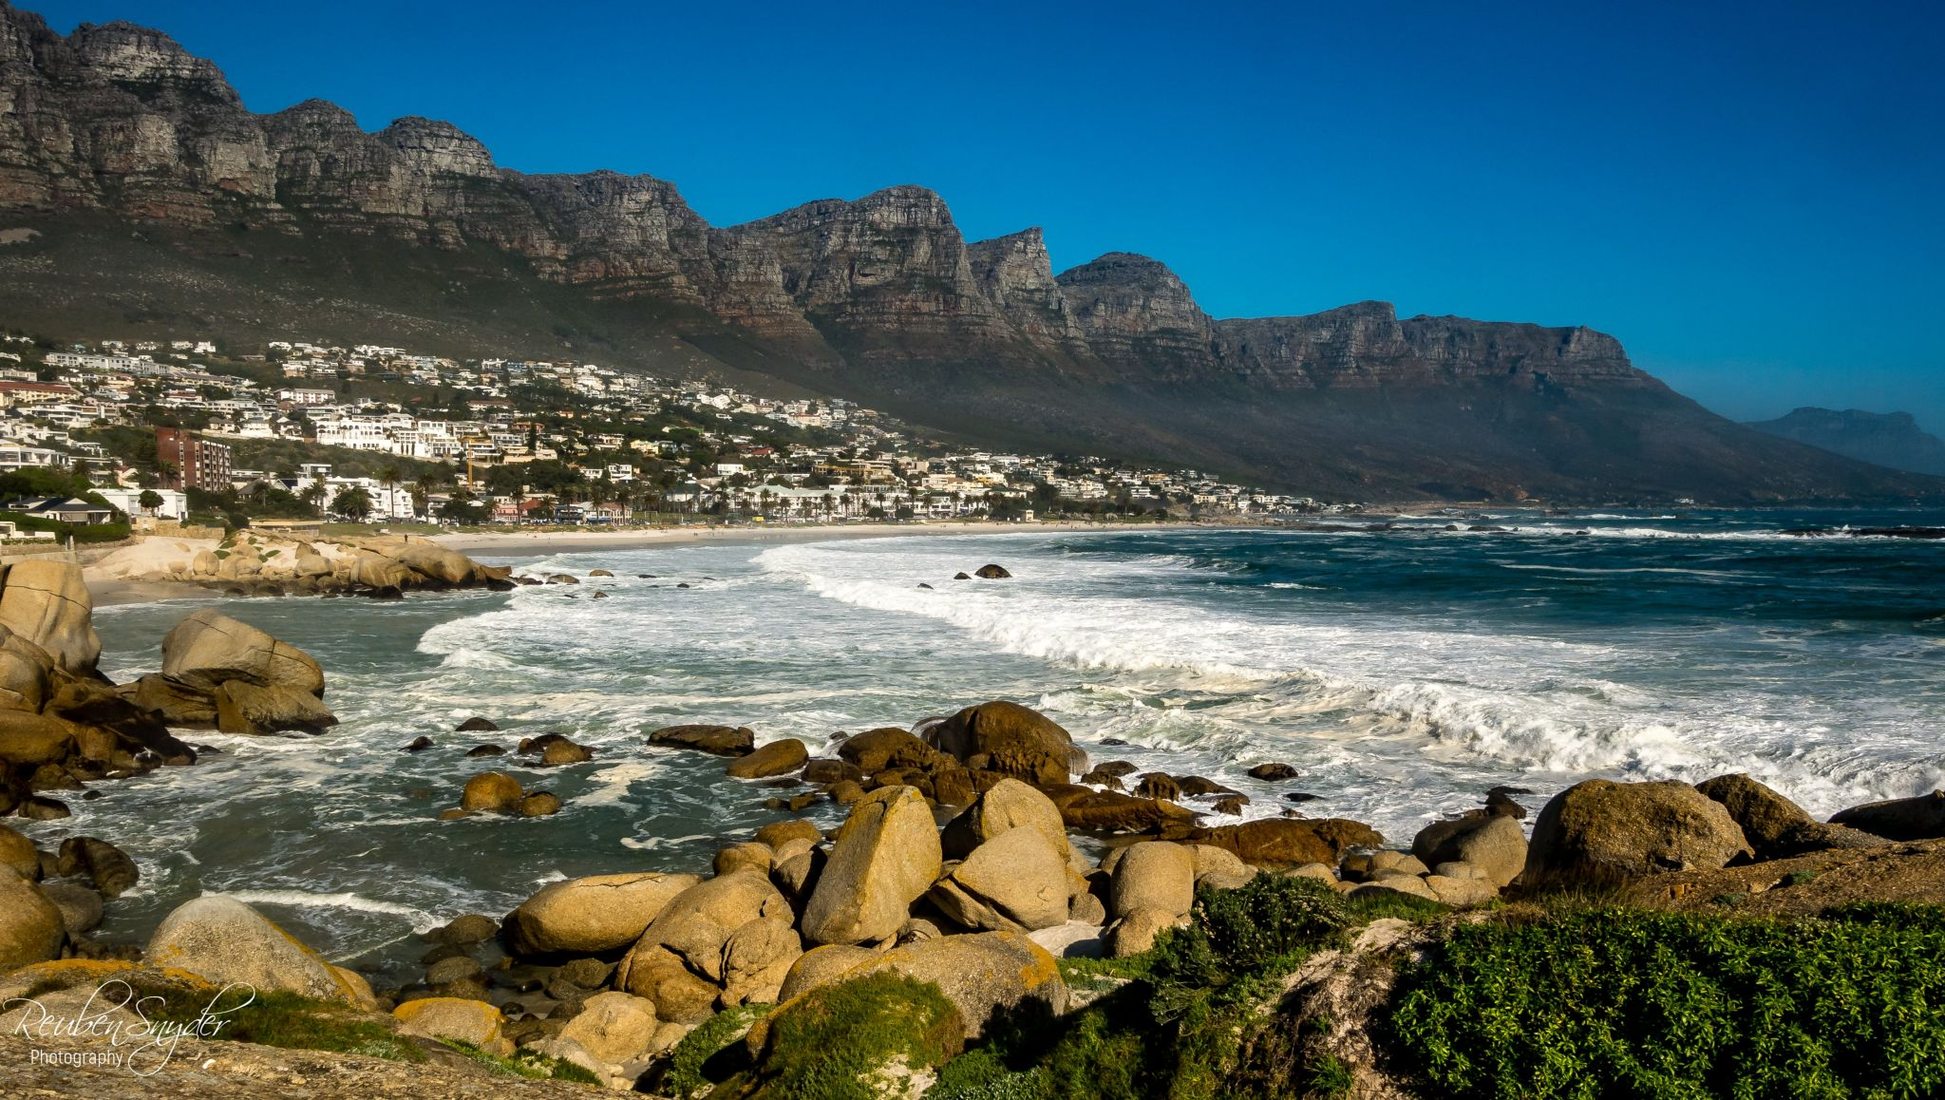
<point>821,966</point>
<point>19,853</point>
<point>1600,832</point>
<point>24,672</point>
<point>776,758</point>
<point>757,958</point>
<point>31,927</point>
<point>107,867</point>
<point>177,703</point>
<point>1287,842</point>
<point>717,740</point>
<point>1775,827</point>
<point>208,648</point>
<point>615,1027</point>
<point>30,740</point>
<point>589,916</point>
<point>980,974</point>
<point>48,603</point>
<point>1153,875</point>
<point>491,792</point>
<point>222,940</point>
<point>1920,818</point>
<point>1006,805</point>
<point>1016,881</point>
<point>1010,739</point>
<point>695,924</point>
<point>243,707</point>
<point>1494,843</point>
<point>885,857</point>
<point>1114,812</point>
<point>434,564</point>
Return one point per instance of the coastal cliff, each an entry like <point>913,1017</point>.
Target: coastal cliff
<point>143,197</point>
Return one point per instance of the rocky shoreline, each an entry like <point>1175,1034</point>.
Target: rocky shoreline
<point>252,562</point>
<point>954,888</point>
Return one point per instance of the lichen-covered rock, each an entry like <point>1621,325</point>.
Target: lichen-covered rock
<point>1599,832</point>
<point>615,1027</point>
<point>462,1019</point>
<point>222,940</point>
<point>885,857</point>
<point>491,792</point>
<point>980,974</point>
<point>1005,805</point>
<point>1154,875</point>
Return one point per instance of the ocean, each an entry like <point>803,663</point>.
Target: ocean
<point>1403,672</point>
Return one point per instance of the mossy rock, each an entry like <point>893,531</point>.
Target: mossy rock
<point>880,1035</point>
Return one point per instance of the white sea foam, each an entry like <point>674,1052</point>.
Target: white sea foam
<point>298,899</point>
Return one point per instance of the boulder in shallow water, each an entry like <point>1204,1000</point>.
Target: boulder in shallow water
<point>876,750</point>
<point>990,572</point>
<point>208,648</point>
<point>243,707</point>
<point>776,758</point>
<point>716,740</point>
<point>109,868</point>
<point>492,792</point>
<point>178,703</point>
<point>539,804</point>
<point>1010,739</point>
<point>1599,832</point>
<point>222,940</point>
<point>80,906</point>
<point>476,724</point>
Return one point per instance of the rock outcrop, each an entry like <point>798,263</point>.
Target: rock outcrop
<point>1598,832</point>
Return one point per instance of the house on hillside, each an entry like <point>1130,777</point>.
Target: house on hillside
<point>63,509</point>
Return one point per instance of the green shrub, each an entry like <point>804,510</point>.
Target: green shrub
<point>1272,916</point>
<point>833,1041</point>
<point>530,1064</point>
<point>711,1053</point>
<point>1620,1003</point>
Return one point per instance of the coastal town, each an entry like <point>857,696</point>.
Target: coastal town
<point>293,430</point>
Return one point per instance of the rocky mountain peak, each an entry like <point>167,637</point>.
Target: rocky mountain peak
<point>150,65</point>
<point>434,146</point>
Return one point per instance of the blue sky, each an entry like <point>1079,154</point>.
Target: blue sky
<point>1749,196</point>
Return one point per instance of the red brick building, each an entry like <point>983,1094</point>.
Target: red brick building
<point>190,461</point>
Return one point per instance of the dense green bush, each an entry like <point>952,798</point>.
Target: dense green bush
<point>711,1053</point>
<point>1274,915</point>
<point>1618,1003</point>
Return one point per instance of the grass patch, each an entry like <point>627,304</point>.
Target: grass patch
<point>529,1064</point>
<point>1612,1003</point>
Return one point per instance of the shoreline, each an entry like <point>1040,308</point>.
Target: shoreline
<point>542,543</point>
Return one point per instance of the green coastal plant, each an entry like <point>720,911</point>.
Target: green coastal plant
<point>711,1053</point>
<point>837,1042</point>
<point>1623,1003</point>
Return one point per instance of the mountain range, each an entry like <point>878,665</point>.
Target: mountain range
<point>139,196</point>
<point>1892,439</point>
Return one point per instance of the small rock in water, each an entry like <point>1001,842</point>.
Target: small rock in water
<point>1502,805</point>
<point>1231,805</point>
<point>962,576</point>
<point>1115,742</point>
<point>922,584</point>
<point>38,808</point>
<point>476,725</point>
<point>600,595</point>
<point>990,572</point>
<point>418,744</point>
<point>1302,796</point>
<point>1270,773</point>
<point>684,584</point>
<point>486,750</point>
<point>540,804</point>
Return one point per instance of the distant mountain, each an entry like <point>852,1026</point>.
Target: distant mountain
<point>141,197</point>
<point>1893,439</point>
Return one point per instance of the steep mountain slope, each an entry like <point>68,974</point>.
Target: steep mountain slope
<point>1892,440</point>
<point>146,198</point>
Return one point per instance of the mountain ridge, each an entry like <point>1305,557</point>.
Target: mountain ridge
<point>880,298</point>
<point>1892,440</point>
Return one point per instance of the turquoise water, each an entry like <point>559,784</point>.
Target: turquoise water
<point>1402,671</point>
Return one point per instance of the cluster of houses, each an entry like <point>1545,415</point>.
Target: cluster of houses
<point>635,444</point>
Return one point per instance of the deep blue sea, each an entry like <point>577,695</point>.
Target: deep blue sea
<point>1403,671</point>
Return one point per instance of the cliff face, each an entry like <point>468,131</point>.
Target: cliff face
<point>880,298</point>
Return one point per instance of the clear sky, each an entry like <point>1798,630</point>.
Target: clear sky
<point>1751,196</point>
